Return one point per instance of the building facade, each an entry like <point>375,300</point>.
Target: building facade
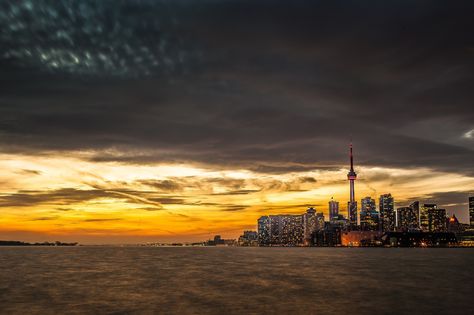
<point>310,224</point>
<point>369,217</point>
<point>333,209</point>
<point>437,220</point>
<point>415,205</point>
<point>424,219</point>
<point>387,213</point>
<point>407,219</point>
<point>286,230</point>
<point>471,212</point>
<point>263,231</point>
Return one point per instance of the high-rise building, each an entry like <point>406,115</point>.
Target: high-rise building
<point>437,220</point>
<point>286,229</point>
<point>387,213</point>
<point>471,211</point>
<point>352,204</point>
<point>333,209</point>
<point>415,205</point>
<point>263,226</point>
<point>310,224</point>
<point>424,219</point>
<point>320,221</point>
<point>407,219</point>
<point>369,217</point>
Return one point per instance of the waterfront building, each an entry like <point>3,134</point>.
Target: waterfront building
<point>419,239</point>
<point>217,241</point>
<point>361,238</point>
<point>424,219</point>
<point>263,232</point>
<point>333,209</point>
<point>437,220</point>
<point>352,203</point>
<point>286,230</point>
<point>453,225</point>
<point>249,238</point>
<point>369,217</point>
<point>471,212</point>
<point>310,224</point>
<point>329,236</point>
<point>415,205</point>
<point>407,219</point>
<point>387,213</point>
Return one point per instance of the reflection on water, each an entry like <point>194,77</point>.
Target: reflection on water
<point>72,280</point>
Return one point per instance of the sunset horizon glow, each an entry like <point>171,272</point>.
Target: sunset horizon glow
<point>71,198</point>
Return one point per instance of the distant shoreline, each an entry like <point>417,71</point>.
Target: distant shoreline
<point>19,243</point>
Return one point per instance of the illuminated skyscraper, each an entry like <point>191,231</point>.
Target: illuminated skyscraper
<point>437,220</point>
<point>333,209</point>
<point>369,217</point>
<point>415,205</point>
<point>387,213</point>
<point>263,225</point>
<point>424,219</point>
<point>352,204</point>
<point>471,212</point>
<point>407,218</point>
<point>286,229</point>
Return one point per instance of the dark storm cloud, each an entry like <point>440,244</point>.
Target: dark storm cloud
<point>25,198</point>
<point>271,86</point>
<point>65,196</point>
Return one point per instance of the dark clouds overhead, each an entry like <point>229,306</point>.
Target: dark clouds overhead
<point>266,85</point>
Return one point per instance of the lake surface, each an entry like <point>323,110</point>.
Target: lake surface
<point>147,280</point>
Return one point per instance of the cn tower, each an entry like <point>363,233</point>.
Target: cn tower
<point>352,204</point>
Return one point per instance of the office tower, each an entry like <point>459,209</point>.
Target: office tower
<point>263,230</point>
<point>471,212</point>
<point>352,204</point>
<point>333,209</point>
<point>310,224</point>
<point>436,220</point>
<point>369,216</point>
<point>415,205</point>
<point>387,213</point>
<point>424,219</point>
<point>407,219</point>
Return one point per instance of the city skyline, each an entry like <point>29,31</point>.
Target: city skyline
<point>137,121</point>
<point>291,207</point>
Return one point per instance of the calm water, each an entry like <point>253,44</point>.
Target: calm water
<point>136,280</point>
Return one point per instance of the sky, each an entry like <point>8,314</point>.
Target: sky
<point>160,121</point>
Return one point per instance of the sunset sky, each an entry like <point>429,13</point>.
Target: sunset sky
<point>143,121</point>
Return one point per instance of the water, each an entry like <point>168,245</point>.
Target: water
<point>145,280</point>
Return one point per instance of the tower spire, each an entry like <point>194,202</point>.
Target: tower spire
<point>351,156</point>
<point>352,204</point>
